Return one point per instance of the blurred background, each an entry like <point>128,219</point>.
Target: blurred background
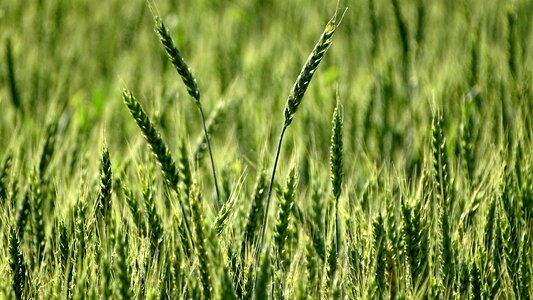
<point>393,67</point>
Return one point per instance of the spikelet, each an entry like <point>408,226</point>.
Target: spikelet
<point>106,184</point>
<point>39,194</point>
<point>336,174</point>
<point>158,147</point>
<point>153,217</point>
<point>446,253</point>
<point>201,245</point>
<point>440,162</point>
<point>192,88</point>
<point>281,230</point>
<point>177,60</point>
<point>133,204</point>
<point>224,214</point>
<point>152,136</point>
<point>184,169</point>
<point>252,221</point>
<point>309,69</point>
<point>16,263</point>
<point>335,153</point>
<point>408,239</point>
<point>525,268</point>
<point>293,102</point>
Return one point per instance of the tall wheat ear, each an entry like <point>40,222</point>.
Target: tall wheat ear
<point>192,88</point>
<point>293,102</point>
<point>158,147</point>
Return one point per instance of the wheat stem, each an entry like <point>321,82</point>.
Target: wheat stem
<point>217,202</point>
<point>267,204</point>
<point>293,102</point>
<point>192,87</point>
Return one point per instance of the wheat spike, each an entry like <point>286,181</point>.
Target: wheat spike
<point>177,60</point>
<point>192,88</point>
<point>309,69</point>
<point>293,101</point>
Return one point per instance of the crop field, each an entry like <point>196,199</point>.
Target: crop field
<point>211,149</point>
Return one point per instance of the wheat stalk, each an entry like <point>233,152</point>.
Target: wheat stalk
<point>192,88</point>
<point>336,167</point>
<point>293,102</point>
<point>158,147</point>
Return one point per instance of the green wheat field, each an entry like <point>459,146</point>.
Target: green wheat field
<point>212,149</point>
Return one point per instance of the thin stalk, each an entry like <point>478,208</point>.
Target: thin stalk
<point>185,221</point>
<point>265,214</point>
<point>210,155</point>
<point>293,102</point>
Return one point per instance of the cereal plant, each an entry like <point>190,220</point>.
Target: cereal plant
<point>364,149</point>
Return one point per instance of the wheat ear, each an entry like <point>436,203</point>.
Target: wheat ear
<point>293,102</point>
<point>158,147</point>
<point>192,87</point>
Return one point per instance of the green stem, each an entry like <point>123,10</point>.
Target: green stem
<point>210,155</point>
<point>267,204</point>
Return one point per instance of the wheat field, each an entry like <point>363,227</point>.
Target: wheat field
<point>359,149</point>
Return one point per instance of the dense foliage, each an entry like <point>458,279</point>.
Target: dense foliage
<point>404,167</point>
